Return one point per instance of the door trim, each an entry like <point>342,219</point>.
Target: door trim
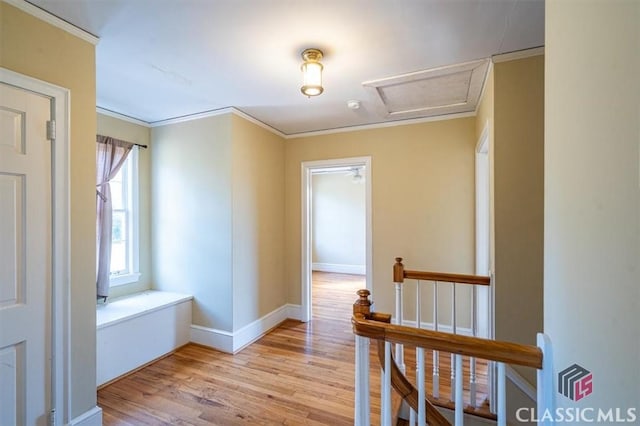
<point>307,169</point>
<point>60,237</point>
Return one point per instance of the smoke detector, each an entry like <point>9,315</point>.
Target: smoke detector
<point>353,104</point>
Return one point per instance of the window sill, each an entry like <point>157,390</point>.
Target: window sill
<point>124,279</point>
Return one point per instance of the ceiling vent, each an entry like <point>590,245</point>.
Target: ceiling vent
<point>439,91</point>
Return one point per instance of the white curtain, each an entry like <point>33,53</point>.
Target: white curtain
<point>110,156</point>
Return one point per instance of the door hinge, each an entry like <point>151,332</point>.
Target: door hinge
<point>51,130</point>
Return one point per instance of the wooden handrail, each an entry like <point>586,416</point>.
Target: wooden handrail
<point>507,352</point>
<point>400,274</point>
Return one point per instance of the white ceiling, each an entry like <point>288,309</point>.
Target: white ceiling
<point>161,59</point>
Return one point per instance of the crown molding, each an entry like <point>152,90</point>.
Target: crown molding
<point>122,117</point>
<point>191,117</point>
<point>43,15</point>
<point>257,122</point>
<point>245,116</point>
<point>381,125</point>
<point>518,54</point>
<point>216,112</point>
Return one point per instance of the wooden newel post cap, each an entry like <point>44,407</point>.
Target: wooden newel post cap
<point>363,304</point>
<point>398,271</point>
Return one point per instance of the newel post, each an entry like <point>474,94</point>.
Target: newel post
<point>363,304</point>
<point>398,271</point>
<point>362,415</point>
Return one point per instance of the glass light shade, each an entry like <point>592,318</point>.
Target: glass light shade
<point>312,78</point>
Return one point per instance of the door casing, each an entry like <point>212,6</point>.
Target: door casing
<point>60,273</point>
<point>307,169</point>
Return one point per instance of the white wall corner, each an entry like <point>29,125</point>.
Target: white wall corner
<point>253,331</point>
<point>92,417</point>
<point>218,339</point>
<point>294,311</point>
<point>228,342</point>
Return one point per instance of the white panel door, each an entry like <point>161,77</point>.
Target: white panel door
<point>25,257</point>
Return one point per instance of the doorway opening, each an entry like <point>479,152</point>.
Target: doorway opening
<point>336,228</point>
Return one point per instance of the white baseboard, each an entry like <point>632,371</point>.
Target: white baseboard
<point>92,417</point>
<point>233,342</point>
<point>339,268</point>
<point>218,339</point>
<point>445,328</point>
<point>253,331</point>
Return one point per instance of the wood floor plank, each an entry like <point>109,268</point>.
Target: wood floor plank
<point>298,374</point>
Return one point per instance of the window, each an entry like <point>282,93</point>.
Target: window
<point>124,238</point>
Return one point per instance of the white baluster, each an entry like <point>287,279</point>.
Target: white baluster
<point>418,305</point>
<point>472,360</point>
<point>453,327</point>
<point>459,416</point>
<point>472,381</point>
<point>362,416</point>
<point>422,393</point>
<point>385,404</point>
<point>502,396</point>
<point>493,388</point>
<point>436,354</point>
<point>398,320</point>
<point>453,310</point>
<point>383,394</point>
<point>419,367</point>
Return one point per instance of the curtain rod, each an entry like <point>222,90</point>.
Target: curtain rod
<point>132,143</point>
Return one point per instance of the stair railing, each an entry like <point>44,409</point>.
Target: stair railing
<point>421,278</point>
<point>369,325</point>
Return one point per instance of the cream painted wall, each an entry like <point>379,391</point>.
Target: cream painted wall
<point>120,129</point>
<point>258,222</point>
<point>592,196</point>
<point>34,48</point>
<point>191,222</point>
<point>218,218</point>
<point>422,200</point>
<point>518,191</point>
<point>338,219</point>
<point>485,108</point>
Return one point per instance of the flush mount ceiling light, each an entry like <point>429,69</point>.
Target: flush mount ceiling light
<point>311,72</point>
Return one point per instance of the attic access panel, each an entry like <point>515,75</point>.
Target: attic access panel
<point>438,91</point>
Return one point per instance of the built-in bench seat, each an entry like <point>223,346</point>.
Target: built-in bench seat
<point>134,330</point>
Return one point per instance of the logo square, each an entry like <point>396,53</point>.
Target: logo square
<point>575,382</point>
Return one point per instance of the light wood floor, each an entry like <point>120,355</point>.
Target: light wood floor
<point>297,374</point>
